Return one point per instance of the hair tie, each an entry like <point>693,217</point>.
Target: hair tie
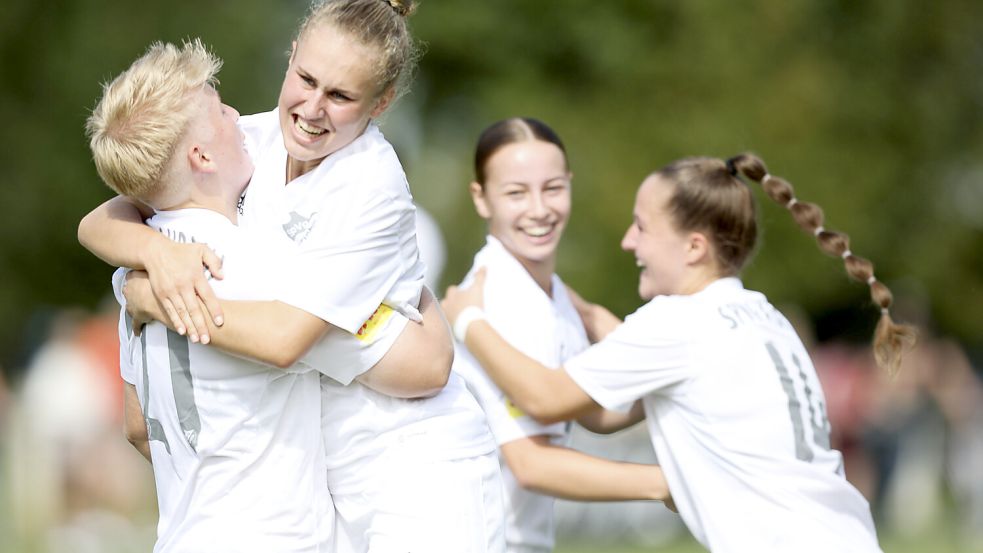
<point>766,178</point>
<point>846,254</point>
<point>731,168</point>
<point>398,6</point>
<point>819,230</point>
<point>789,203</point>
<point>885,312</point>
<point>871,280</point>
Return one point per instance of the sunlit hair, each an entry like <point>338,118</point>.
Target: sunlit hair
<point>509,131</point>
<point>377,24</point>
<point>709,197</point>
<point>144,113</point>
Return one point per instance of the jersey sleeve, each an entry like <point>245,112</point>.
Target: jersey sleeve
<point>642,356</point>
<point>344,279</point>
<point>344,357</point>
<point>129,348</point>
<point>505,420</point>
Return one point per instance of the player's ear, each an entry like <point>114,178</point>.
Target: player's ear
<point>200,159</point>
<point>478,197</point>
<point>384,101</point>
<point>698,248</point>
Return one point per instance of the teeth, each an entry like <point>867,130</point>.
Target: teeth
<point>309,130</point>
<point>539,231</point>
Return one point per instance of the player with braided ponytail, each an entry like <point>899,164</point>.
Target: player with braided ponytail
<point>890,339</point>
<point>735,410</point>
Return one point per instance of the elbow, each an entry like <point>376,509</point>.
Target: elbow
<point>83,233</point>
<point>436,371</point>
<point>284,358</point>
<point>136,435</point>
<point>437,375</point>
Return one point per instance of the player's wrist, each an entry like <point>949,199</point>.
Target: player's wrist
<point>467,316</point>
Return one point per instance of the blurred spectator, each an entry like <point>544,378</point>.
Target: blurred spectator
<point>909,441</point>
<point>75,481</point>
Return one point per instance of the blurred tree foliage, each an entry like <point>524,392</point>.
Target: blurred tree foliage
<point>870,108</point>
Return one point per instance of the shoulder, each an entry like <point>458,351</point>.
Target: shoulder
<point>372,162</point>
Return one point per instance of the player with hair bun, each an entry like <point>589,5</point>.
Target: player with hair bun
<point>733,405</point>
<point>522,188</point>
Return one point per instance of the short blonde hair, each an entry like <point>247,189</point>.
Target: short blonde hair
<point>143,114</point>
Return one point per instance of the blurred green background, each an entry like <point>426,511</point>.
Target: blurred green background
<point>871,108</point>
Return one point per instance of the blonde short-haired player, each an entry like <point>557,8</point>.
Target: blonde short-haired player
<point>417,474</point>
<point>733,405</point>
<point>522,189</point>
<point>236,445</point>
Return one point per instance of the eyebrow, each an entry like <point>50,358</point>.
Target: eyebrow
<point>307,74</point>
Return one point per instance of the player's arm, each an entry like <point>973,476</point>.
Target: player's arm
<point>419,363</point>
<point>134,426</point>
<point>606,421</point>
<point>545,394</point>
<point>598,321</point>
<point>545,468</point>
<point>115,233</point>
<point>278,334</point>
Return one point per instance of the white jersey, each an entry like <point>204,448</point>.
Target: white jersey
<point>352,216</point>
<point>236,445</point>
<point>547,329</point>
<point>737,418</point>
<point>353,219</point>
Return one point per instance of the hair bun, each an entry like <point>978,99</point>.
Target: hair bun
<point>402,7</point>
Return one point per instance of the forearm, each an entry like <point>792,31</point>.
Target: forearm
<point>605,421</point>
<point>115,233</point>
<point>569,474</point>
<point>545,394</point>
<point>267,331</point>
<point>270,332</point>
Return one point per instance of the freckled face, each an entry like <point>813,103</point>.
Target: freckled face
<point>526,199</point>
<point>328,95</point>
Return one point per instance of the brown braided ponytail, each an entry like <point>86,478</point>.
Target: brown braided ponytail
<point>890,339</point>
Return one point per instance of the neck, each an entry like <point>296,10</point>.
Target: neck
<point>218,198</point>
<point>230,212</point>
<point>297,169</point>
<point>697,280</point>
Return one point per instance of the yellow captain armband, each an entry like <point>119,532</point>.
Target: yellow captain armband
<point>372,325</point>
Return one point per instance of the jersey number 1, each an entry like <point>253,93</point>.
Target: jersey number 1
<point>817,412</point>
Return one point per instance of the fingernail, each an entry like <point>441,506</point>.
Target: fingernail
<point>180,330</point>
<point>194,338</point>
<point>219,320</point>
<point>204,339</point>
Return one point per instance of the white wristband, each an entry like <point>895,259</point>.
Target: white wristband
<point>469,315</point>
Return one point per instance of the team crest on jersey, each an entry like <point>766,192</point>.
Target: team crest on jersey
<point>514,410</point>
<point>298,227</point>
<point>375,321</point>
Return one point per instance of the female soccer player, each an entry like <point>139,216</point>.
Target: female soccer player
<point>522,189</point>
<point>734,408</point>
<point>405,475</point>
